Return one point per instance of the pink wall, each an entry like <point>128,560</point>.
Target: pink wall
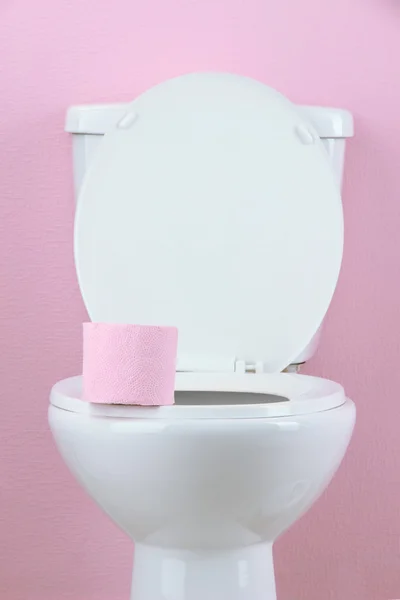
<point>54,542</point>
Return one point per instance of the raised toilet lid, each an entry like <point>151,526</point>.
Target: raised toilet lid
<point>212,206</point>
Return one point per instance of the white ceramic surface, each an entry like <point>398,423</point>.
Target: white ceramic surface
<point>204,499</point>
<point>205,487</point>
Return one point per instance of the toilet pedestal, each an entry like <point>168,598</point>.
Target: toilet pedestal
<point>169,574</point>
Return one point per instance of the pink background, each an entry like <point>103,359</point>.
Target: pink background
<point>54,542</point>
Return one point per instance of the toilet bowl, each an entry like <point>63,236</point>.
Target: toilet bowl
<point>206,486</point>
<point>211,206</point>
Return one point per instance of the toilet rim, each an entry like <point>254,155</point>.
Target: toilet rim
<point>301,395</point>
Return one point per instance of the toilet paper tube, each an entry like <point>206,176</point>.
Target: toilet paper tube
<point>129,364</point>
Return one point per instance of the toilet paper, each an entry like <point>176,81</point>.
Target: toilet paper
<point>129,364</point>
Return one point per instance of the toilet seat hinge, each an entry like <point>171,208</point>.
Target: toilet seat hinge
<point>217,364</point>
<point>241,366</point>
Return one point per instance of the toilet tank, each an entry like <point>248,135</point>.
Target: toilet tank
<point>88,124</point>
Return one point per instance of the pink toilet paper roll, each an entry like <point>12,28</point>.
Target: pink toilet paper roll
<point>129,364</point>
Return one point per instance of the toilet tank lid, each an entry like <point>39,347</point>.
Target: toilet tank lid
<point>330,123</point>
<point>94,119</point>
<point>98,119</point>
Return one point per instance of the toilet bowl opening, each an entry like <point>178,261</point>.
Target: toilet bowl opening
<point>188,398</point>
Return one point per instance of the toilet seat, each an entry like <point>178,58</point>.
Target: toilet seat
<point>212,207</point>
<point>300,394</point>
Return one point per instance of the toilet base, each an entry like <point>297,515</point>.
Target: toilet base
<point>240,574</point>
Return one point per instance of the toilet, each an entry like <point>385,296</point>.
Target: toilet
<point>210,203</point>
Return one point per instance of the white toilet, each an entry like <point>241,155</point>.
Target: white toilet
<point>212,204</point>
